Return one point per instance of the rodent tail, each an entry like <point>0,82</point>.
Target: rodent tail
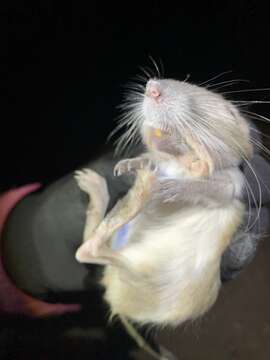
<point>163,353</point>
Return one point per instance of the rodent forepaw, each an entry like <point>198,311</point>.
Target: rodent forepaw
<point>132,165</point>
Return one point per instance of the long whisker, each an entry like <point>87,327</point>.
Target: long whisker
<point>251,195</point>
<point>215,77</point>
<point>186,78</point>
<point>247,102</point>
<point>249,204</point>
<point>141,78</point>
<point>225,83</point>
<point>246,90</point>
<point>146,72</point>
<point>162,68</point>
<point>155,65</point>
<point>257,116</point>
<point>258,204</point>
<point>260,132</point>
<point>264,149</point>
<point>125,142</point>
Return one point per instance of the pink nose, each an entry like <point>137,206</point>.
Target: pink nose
<point>153,89</point>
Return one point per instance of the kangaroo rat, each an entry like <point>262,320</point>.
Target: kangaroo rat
<point>162,243</point>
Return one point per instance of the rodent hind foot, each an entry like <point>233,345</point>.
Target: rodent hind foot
<point>92,252</point>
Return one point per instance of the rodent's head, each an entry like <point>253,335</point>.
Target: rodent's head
<point>182,111</point>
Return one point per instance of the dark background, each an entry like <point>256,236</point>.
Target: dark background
<point>67,64</point>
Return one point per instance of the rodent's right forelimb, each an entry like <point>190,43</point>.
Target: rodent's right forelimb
<point>142,162</point>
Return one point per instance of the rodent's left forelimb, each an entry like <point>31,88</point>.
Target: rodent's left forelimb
<point>221,188</point>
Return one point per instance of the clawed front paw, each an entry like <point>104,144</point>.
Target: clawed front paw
<point>132,165</point>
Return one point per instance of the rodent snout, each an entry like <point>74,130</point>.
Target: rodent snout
<point>153,89</point>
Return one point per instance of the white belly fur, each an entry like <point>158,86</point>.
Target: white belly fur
<point>178,260</point>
